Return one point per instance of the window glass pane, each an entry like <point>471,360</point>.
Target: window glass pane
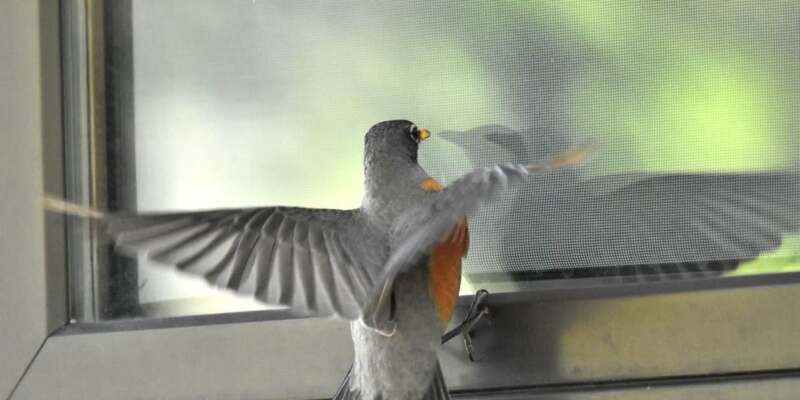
<point>690,108</point>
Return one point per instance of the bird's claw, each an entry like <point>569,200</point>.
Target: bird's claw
<point>477,310</point>
<point>468,346</point>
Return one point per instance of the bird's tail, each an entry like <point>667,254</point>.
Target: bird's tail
<point>436,391</point>
<point>344,392</point>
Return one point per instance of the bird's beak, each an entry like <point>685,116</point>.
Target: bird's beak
<point>424,134</point>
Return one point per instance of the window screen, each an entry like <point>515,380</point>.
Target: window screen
<point>690,108</point>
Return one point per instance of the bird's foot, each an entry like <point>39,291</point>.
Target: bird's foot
<point>476,311</point>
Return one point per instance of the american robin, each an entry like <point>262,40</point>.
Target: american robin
<point>392,266</point>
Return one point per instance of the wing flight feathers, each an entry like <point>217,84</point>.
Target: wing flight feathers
<point>312,260</point>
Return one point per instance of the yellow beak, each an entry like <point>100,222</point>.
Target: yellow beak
<point>424,134</point>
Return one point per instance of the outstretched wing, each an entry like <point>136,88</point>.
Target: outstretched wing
<point>312,260</point>
<point>424,227</point>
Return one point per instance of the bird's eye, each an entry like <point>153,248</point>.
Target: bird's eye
<point>414,132</point>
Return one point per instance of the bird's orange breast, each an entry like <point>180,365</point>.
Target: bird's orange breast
<point>445,263</point>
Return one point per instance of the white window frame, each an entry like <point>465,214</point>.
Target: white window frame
<point>681,340</point>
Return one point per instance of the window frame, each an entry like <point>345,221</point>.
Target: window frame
<point>555,342</point>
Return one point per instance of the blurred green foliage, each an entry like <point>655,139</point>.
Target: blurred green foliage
<point>712,85</point>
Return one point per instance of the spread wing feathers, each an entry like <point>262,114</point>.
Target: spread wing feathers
<point>424,226</point>
<point>316,261</point>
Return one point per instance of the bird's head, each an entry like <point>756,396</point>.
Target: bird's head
<point>398,138</point>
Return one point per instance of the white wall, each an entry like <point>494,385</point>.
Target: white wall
<point>26,115</point>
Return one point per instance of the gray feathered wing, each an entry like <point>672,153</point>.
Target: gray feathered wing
<point>315,261</point>
<point>423,227</point>
<point>321,262</point>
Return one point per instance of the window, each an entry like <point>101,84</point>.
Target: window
<point>209,104</point>
<point>600,275</point>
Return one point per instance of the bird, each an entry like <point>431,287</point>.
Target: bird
<point>629,227</point>
<point>391,266</point>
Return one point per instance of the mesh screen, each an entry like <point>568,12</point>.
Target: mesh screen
<point>691,107</point>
